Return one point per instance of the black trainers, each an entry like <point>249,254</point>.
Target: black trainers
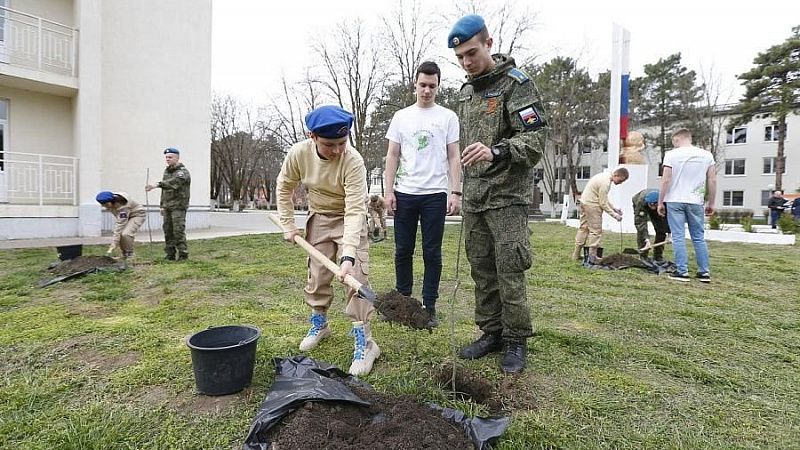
<point>183,256</point>
<point>678,276</point>
<point>704,277</point>
<point>433,322</point>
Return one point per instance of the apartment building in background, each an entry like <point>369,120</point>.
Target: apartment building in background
<point>91,92</point>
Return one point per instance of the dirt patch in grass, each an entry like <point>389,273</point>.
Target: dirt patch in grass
<point>468,385</point>
<point>408,311</point>
<point>398,423</point>
<point>518,394</point>
<point>82,263</point>
<point>188,403</point>
<point>105,363</point>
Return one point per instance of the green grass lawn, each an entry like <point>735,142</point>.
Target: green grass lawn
<point>621,359</point>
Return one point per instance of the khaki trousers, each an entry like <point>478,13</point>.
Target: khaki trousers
<point>324,232</point>
<point>128,233</point>
<point>590,230</point>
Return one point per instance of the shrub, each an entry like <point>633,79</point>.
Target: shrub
<point>730,215</point>
<point>713,222</point>
<point>787,224</point>
<point>747,223</point>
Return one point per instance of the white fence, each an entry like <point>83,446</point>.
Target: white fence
<point>37,43</point>
<point>40,179</point>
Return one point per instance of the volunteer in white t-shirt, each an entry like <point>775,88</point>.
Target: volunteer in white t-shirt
<point>688,174</point>
<point>422,165</point>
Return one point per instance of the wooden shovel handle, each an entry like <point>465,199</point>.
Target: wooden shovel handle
<point>653,246</point>
<point>322,259</point>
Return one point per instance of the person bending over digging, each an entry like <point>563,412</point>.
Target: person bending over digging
<point>594,200</point>
<point>336,179</point>
<point>645,207</point>
<point>129,216</point>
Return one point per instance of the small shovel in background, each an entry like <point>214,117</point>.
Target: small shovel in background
<point>633,251</point>
<point>363,291</point>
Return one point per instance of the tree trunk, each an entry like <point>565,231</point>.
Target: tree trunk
<point>780,160</point>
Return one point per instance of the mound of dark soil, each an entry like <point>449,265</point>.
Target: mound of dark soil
<point>82,263</point>
<point>468,384</point>
<point>621,260</point>
<point>390,423</point>
<point>408,311</point>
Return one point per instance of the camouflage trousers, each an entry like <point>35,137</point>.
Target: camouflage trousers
<point>499,252</point>
<point>174,231</point>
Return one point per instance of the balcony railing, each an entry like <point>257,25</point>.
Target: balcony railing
<point>36,43</point>
<point>38,179</point>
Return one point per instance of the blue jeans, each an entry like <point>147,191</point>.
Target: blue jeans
<point>775,215</point>
<point>679,215</point>
<point>429,210</point>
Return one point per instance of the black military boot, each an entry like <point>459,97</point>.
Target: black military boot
<point>433,321</point>
<point>183,256</point>
<point>488,343</point>
<point>514,355</point>
<point>170,257</point>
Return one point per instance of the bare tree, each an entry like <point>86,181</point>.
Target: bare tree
<point>239,150</point>
<point>409,38</point>
<point>711,113</point>
<point>354,73</point>
<point>288,110</point>
<point>509,23</point>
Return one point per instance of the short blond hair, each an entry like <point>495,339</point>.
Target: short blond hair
<point>682,133</point>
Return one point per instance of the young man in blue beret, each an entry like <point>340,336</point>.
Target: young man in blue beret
<point>502,138</point>
<point>175,189</point>
<point>336,179</point>
<point>423,183</point>
<point>645,208</point>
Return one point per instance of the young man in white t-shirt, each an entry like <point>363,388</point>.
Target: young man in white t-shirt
<point>689,173</point>
<point>422,165</point>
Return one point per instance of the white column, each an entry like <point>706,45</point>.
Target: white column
<point>88,127</point>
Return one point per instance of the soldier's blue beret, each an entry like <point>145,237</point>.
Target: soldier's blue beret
<point>172,150</point>
<point>464,29</point>
<point>105,197</point>
<point>329,121</point>
<point>651,197</point>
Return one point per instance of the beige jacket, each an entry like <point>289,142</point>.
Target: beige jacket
<point>124,213</point>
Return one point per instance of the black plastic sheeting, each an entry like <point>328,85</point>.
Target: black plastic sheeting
<point>646,264</point>
<point>300,379</point>
<point>119,267</point>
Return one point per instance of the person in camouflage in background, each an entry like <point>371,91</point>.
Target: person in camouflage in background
<point>174,203</point>
<point>501,131</point>
<point>645,207</point>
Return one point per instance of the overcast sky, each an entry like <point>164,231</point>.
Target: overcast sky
<point>254,42</point>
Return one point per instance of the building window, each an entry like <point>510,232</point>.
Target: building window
<point>765,195</point>
<point>734,167</point>
<point>737,136</point>
<point>769,166</point>
<point>561,173</point>
<point>771,133</point>
<point>538,174</point>
<point>583,173</point>
<point>586,147</point>
<point>732,198</point>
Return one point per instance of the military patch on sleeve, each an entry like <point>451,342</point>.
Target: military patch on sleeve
<point>180,174</point>
<point>123,215</point>
<point>531,118</point>
<point>519,75</point>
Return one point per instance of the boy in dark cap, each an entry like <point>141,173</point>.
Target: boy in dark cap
<point>501,133</point>
<point>129,216</point>
<point>175,187</point>
<point>336,179</point>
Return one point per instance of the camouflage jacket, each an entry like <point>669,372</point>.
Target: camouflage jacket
<point>175,187</point>
<point>501,109</point>
<point>642,213</point>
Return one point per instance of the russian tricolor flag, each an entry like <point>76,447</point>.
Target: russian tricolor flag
<point>623,107</point>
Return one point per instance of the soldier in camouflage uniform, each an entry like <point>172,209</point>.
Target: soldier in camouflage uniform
<point>645,207</point>
<point>174,203</point>
<point>501,129</point>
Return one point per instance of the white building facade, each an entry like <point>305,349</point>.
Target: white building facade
<point>91,92</point>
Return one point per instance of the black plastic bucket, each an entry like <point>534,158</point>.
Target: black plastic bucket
<point>223,358</point>
<point>67,252</point>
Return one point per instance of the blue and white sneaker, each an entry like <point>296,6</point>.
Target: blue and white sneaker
<point>319,330</point>
<point>365,352</point>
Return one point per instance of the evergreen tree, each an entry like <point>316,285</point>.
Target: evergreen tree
<point>665,97</point>
<point>773,86</point>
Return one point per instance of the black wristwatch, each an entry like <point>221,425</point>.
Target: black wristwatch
<point>347,258</point>
<point>498,153</point>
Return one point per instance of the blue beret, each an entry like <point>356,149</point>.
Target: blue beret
<point>105,197</point>
<point>172,150</point>
<point>651,197</point>
<point>329,122</point>
<point>464,29</point>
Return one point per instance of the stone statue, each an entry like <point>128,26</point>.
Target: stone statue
<point>632,149</point>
